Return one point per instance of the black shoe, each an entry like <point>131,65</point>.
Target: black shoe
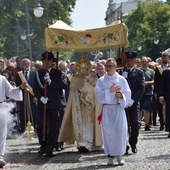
<point>169,135</point>
<point>82,149</point>
<point>127,149</point>
<point>161,128</point>
<point>147,128</point>
<point>134,150</point>
<point>62,147</point>
<point>50,154</point>
<point>58,149</point>
<point>41,151</point>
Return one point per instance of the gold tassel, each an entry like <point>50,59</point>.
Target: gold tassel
<point>29,130</point>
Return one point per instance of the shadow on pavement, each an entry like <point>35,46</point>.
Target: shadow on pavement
<point>159,157</point>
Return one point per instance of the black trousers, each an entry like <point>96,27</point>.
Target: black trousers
<point>154,111</point>
<point>160,114</point>
<point>134,124</point>
<point>48,140</point>
<point>61,115</point>
<point>168,115</point>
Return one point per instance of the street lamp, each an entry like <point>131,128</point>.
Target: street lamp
<point>38,12</point>
<point>139,47</point>
<point>156,41</point>
<point>24,35</point>
<point>97,54</point>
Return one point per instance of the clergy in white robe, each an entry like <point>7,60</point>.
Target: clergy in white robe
<point>113,121</point>
<point>79,121</point>
<point>6,90</point>
<point>80,114</point>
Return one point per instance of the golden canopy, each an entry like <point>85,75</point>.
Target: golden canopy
<point>62,37</point>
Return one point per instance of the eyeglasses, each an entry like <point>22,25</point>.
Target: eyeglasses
<point>109,66</point>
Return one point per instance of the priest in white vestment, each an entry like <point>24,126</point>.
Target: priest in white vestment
<point>113,93</point>
<point>6,90</point>
<point>79,121</point>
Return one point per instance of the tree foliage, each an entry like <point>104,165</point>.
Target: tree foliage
<point>13,24</point>
<point>150,21</point>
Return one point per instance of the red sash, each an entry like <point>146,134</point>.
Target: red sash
<point>99,118</point>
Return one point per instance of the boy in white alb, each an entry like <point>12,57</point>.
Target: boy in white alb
<point>113,93</point>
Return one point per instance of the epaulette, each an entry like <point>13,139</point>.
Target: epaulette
<point>69,77</point>
<point>160,69</point>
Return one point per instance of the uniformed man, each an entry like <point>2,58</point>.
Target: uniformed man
<point>135,78</point>
<point>48,104</point>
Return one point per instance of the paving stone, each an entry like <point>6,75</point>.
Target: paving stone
<point>153,154</point>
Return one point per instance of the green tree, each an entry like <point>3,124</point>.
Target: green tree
<point>13,24</point>
<point>148,22</point>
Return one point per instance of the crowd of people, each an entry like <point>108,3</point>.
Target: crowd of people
<point>64,100</point>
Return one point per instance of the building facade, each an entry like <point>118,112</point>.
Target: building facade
<point>118,9</point>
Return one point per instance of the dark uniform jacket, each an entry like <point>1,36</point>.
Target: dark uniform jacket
<point>136,83</point>
<point>157,79</point>
<point>164,85</point>
<point>54,90</point>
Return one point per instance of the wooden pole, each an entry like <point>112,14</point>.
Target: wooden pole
<point>45,95</point>
<point>119,52</point>
<point>57,58</point>
<point>123,57</point>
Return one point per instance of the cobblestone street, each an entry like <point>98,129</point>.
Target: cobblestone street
<point>153,154</point>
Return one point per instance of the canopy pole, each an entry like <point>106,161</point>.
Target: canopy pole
<point>57,58</point>
<point>123,57</point>
<point>45,95</point>
<point>119,52</point>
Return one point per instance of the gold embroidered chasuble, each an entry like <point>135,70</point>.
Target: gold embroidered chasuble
<point>81,110</point>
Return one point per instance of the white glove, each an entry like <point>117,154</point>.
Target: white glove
<point>47,77</point>
<point>130,103</point>
<point>125,74</point>
<point>44,100</point>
